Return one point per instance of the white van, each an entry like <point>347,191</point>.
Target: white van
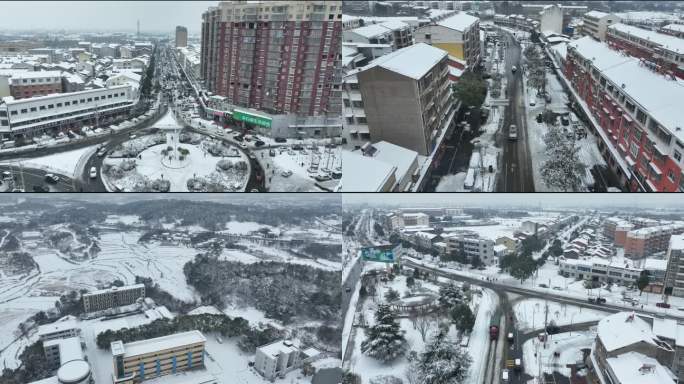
<point>504,375</point>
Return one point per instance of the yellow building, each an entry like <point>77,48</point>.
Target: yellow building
<point>458,35</point>
<point>148,359</point>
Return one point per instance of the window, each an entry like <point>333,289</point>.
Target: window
<point>42,107</point>
<point>641,116</point>
<point>109,96</point>
<point>74,102</point>
<point>24,111</point>
<point>630,107</point>
<point>51,106</point>
<point>59,105</point>
<point>634,149</point>
<point>33,109</point>
<point>3,122</point>
<point>90,99</point>
<point>66,103</point>
<point>13,113</point>
<point>671,176</point>
<point>96,98</point>
<point>677,155</point>
<point>82,101</point>
<point>3,113</point>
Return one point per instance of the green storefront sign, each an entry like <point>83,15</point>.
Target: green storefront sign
<point>382,253</point>
<point>247,117</point>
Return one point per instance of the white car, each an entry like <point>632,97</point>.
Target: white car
<point>513,133</point>
<point>532,102</point>
<point>93,172</point>
<point>287,173</point>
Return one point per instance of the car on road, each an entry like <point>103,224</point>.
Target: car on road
<point>543,286</point>
<point>51,178</point>
<point>7,175</point>
<point>132,136</point>
<point>514,68</point>
<point>259,143</point>
<point>663,305</point>
<point>40,188</point>
<point>597,300</point>
<point>280,140</point>
<point>518,365</point>
<point>102,152</point>
<point>513,133</point>
<point>287,173</point>
<point>322,178</point>
<point>532,102</point>
<point>93,172</point>
<point>504,375</point>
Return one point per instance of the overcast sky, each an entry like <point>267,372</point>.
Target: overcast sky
<point>103,15</point>
<point>547,200</point>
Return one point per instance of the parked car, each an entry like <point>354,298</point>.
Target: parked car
<point>259,143</point>
<point>40,188</point>
<point>322,178</point>
<point>663,305</point>
<point>514,68</point>
<point>93,172</point>
<point>280,140</point>
<point>51,178</point>
<point>287,173</point>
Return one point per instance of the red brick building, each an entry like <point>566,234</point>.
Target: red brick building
<point>646,241</point>
<point>639,112</point>
<point>664,53</point>
<point>40,83</point>
<point>275,56</point>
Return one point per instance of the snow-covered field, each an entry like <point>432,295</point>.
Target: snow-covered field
<point>530,313</point>
<point>568,345</point>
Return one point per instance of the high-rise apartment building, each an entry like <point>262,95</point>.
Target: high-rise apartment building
<point>646,241</point>
<point>674,277</point>
<point>113,297</point>
<point>181,36</point>
<point>275,56</point>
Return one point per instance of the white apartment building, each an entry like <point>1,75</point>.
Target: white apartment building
<point>276,359</point>
<point>551,19</point>
<point>425,240</point>
<point>598,269</point>
<point>394,32</point>
<point>61,112</point>
<point>58,330</point>
<point>113,297</point>
<point>60,351</point>
<point>413,219</point>
<point>595,24</point>
<point>136,64</point>
<point>470,245</point>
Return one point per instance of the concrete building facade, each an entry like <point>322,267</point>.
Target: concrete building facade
<point>471,245</point>
<point>113,297</point>
<point>27,84</point>
<point>63,112</point>
<point>147,359</point>
<point>181,36</point>
<point>276,359</point>
<point>407,97</point>
<point>674,277</point>
<point>595,24</point>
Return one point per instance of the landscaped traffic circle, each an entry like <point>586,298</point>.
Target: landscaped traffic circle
<point>173,160</point>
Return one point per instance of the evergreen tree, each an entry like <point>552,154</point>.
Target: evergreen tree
<point>449,296</point>
<point>463,317</point>
<point>391,295</point>
<point>443,362</point>
<point>385,340</point>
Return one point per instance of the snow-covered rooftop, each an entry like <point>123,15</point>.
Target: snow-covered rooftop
<point>622,329</point>
<point>459,22</point>
<point>413,61</point>
<point>636,368</point>
<point>395,155</point>
<point>677,242</point>
<point>371,174</point>
<point>656,229</point>
<point>674,27</point>
<point>56,327</point>
<point>371,31</point>
<point>670,43</point>
<point>595,14</point>
<point>114,289</point>
<point>161,343</point>
<point>276,348</point>
<point>36,74</point>
<point>425,235</point>
<point>660,97</point>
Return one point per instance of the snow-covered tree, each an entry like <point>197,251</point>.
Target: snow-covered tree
<point>450,296</point>
<point>385,339</point>
<point>442,362</point>
<point>563,169</point>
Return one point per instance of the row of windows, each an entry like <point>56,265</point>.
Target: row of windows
<point>65,104</point>
<point>63,115</point>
